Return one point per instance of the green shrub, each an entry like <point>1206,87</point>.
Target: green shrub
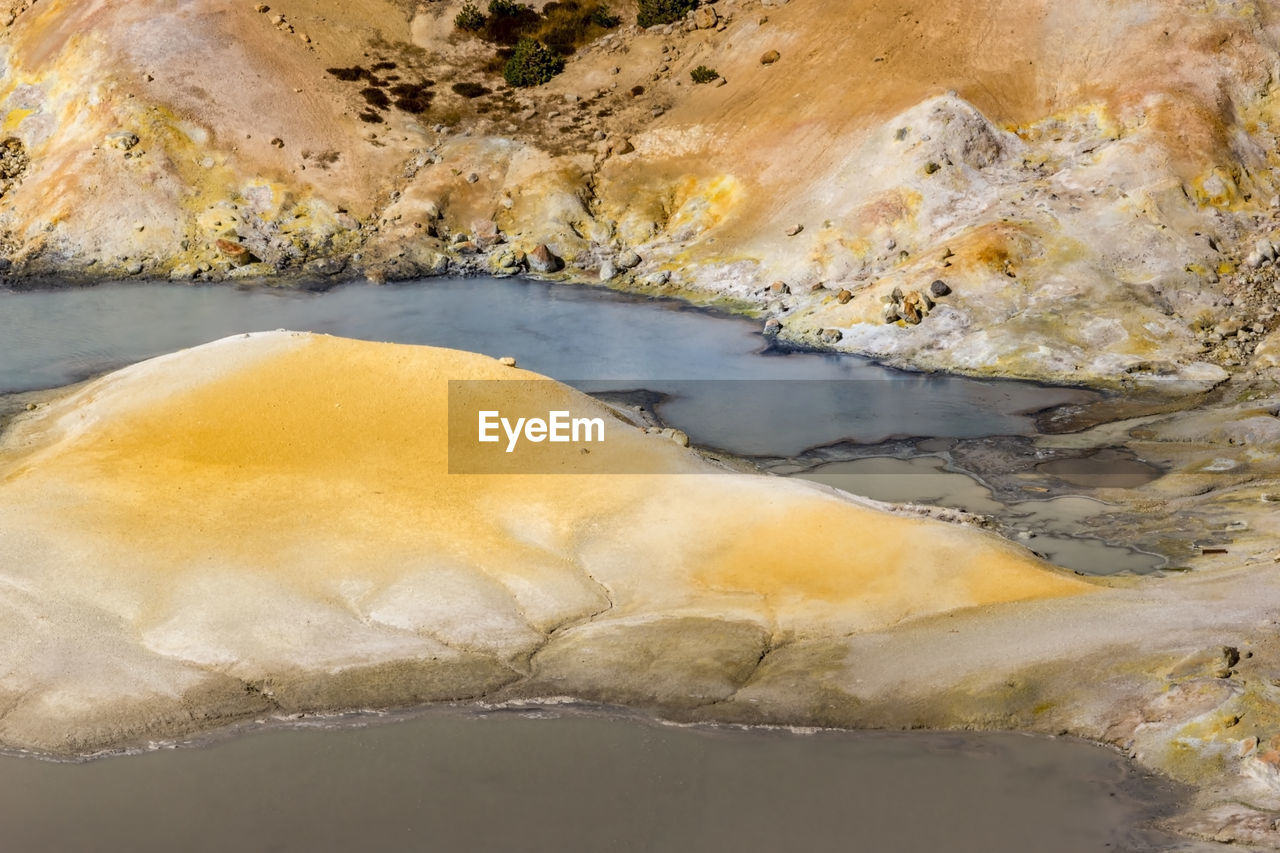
<point>531,64</point>
<point>703,74</point>
<point>604,18</point>
<point>469,18</point>
<point>508,22</point>
<point>654,12</point>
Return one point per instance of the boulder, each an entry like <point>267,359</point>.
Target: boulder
<point>543,260</point>
<point>770,57</point>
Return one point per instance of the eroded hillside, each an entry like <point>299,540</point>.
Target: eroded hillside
<point>1094,184</point>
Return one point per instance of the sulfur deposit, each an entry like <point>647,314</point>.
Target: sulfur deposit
<point>269,521</point>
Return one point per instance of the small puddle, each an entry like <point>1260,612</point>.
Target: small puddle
<point>1055,527</point>
<point>1105,469</point>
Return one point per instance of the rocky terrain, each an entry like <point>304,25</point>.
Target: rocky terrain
<point>1093,186</point>
<point>1082,193</point>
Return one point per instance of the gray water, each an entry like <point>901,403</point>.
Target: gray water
<point>757,404</point>
<point>572,782</point>
<point>717,376</point>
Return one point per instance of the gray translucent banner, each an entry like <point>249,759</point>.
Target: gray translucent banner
<point>523,426</point>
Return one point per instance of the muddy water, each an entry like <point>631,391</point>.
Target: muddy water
<point>574,782</point>
<point>1055,528</point>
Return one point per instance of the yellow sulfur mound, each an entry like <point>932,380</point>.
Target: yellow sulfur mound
<point>280,504</point>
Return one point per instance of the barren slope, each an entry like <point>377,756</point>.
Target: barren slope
<point>1094,182</point>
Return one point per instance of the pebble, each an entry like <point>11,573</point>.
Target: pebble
<point>507,361</point>
<point>939,288</point>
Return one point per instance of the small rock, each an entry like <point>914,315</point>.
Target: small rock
<point>844,296</point>
<point>608,271</point>
<point>543,260</point>
<point>628,260</point>
<point>705,17</point>
<point>917,306</point>
<point>122,139</point>
<point>262,8</point>
<point>236,253</point>
<point>134,268</point>
<point>779,287</point>
<point>896,295</point>
<point>277,142</point>
<point>831,336</point>
<point>817,287</point>
<point>507,361</point>
<point>183,272</point>
<point>472,178</point>
<point>939,289</point>
<point>1230,657</point>
<point>485,233</point>
<point>772,326</point>
<point>794,230</point>
<point>770,57</point>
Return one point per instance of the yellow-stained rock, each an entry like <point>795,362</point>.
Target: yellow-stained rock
<point>277,509</point>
